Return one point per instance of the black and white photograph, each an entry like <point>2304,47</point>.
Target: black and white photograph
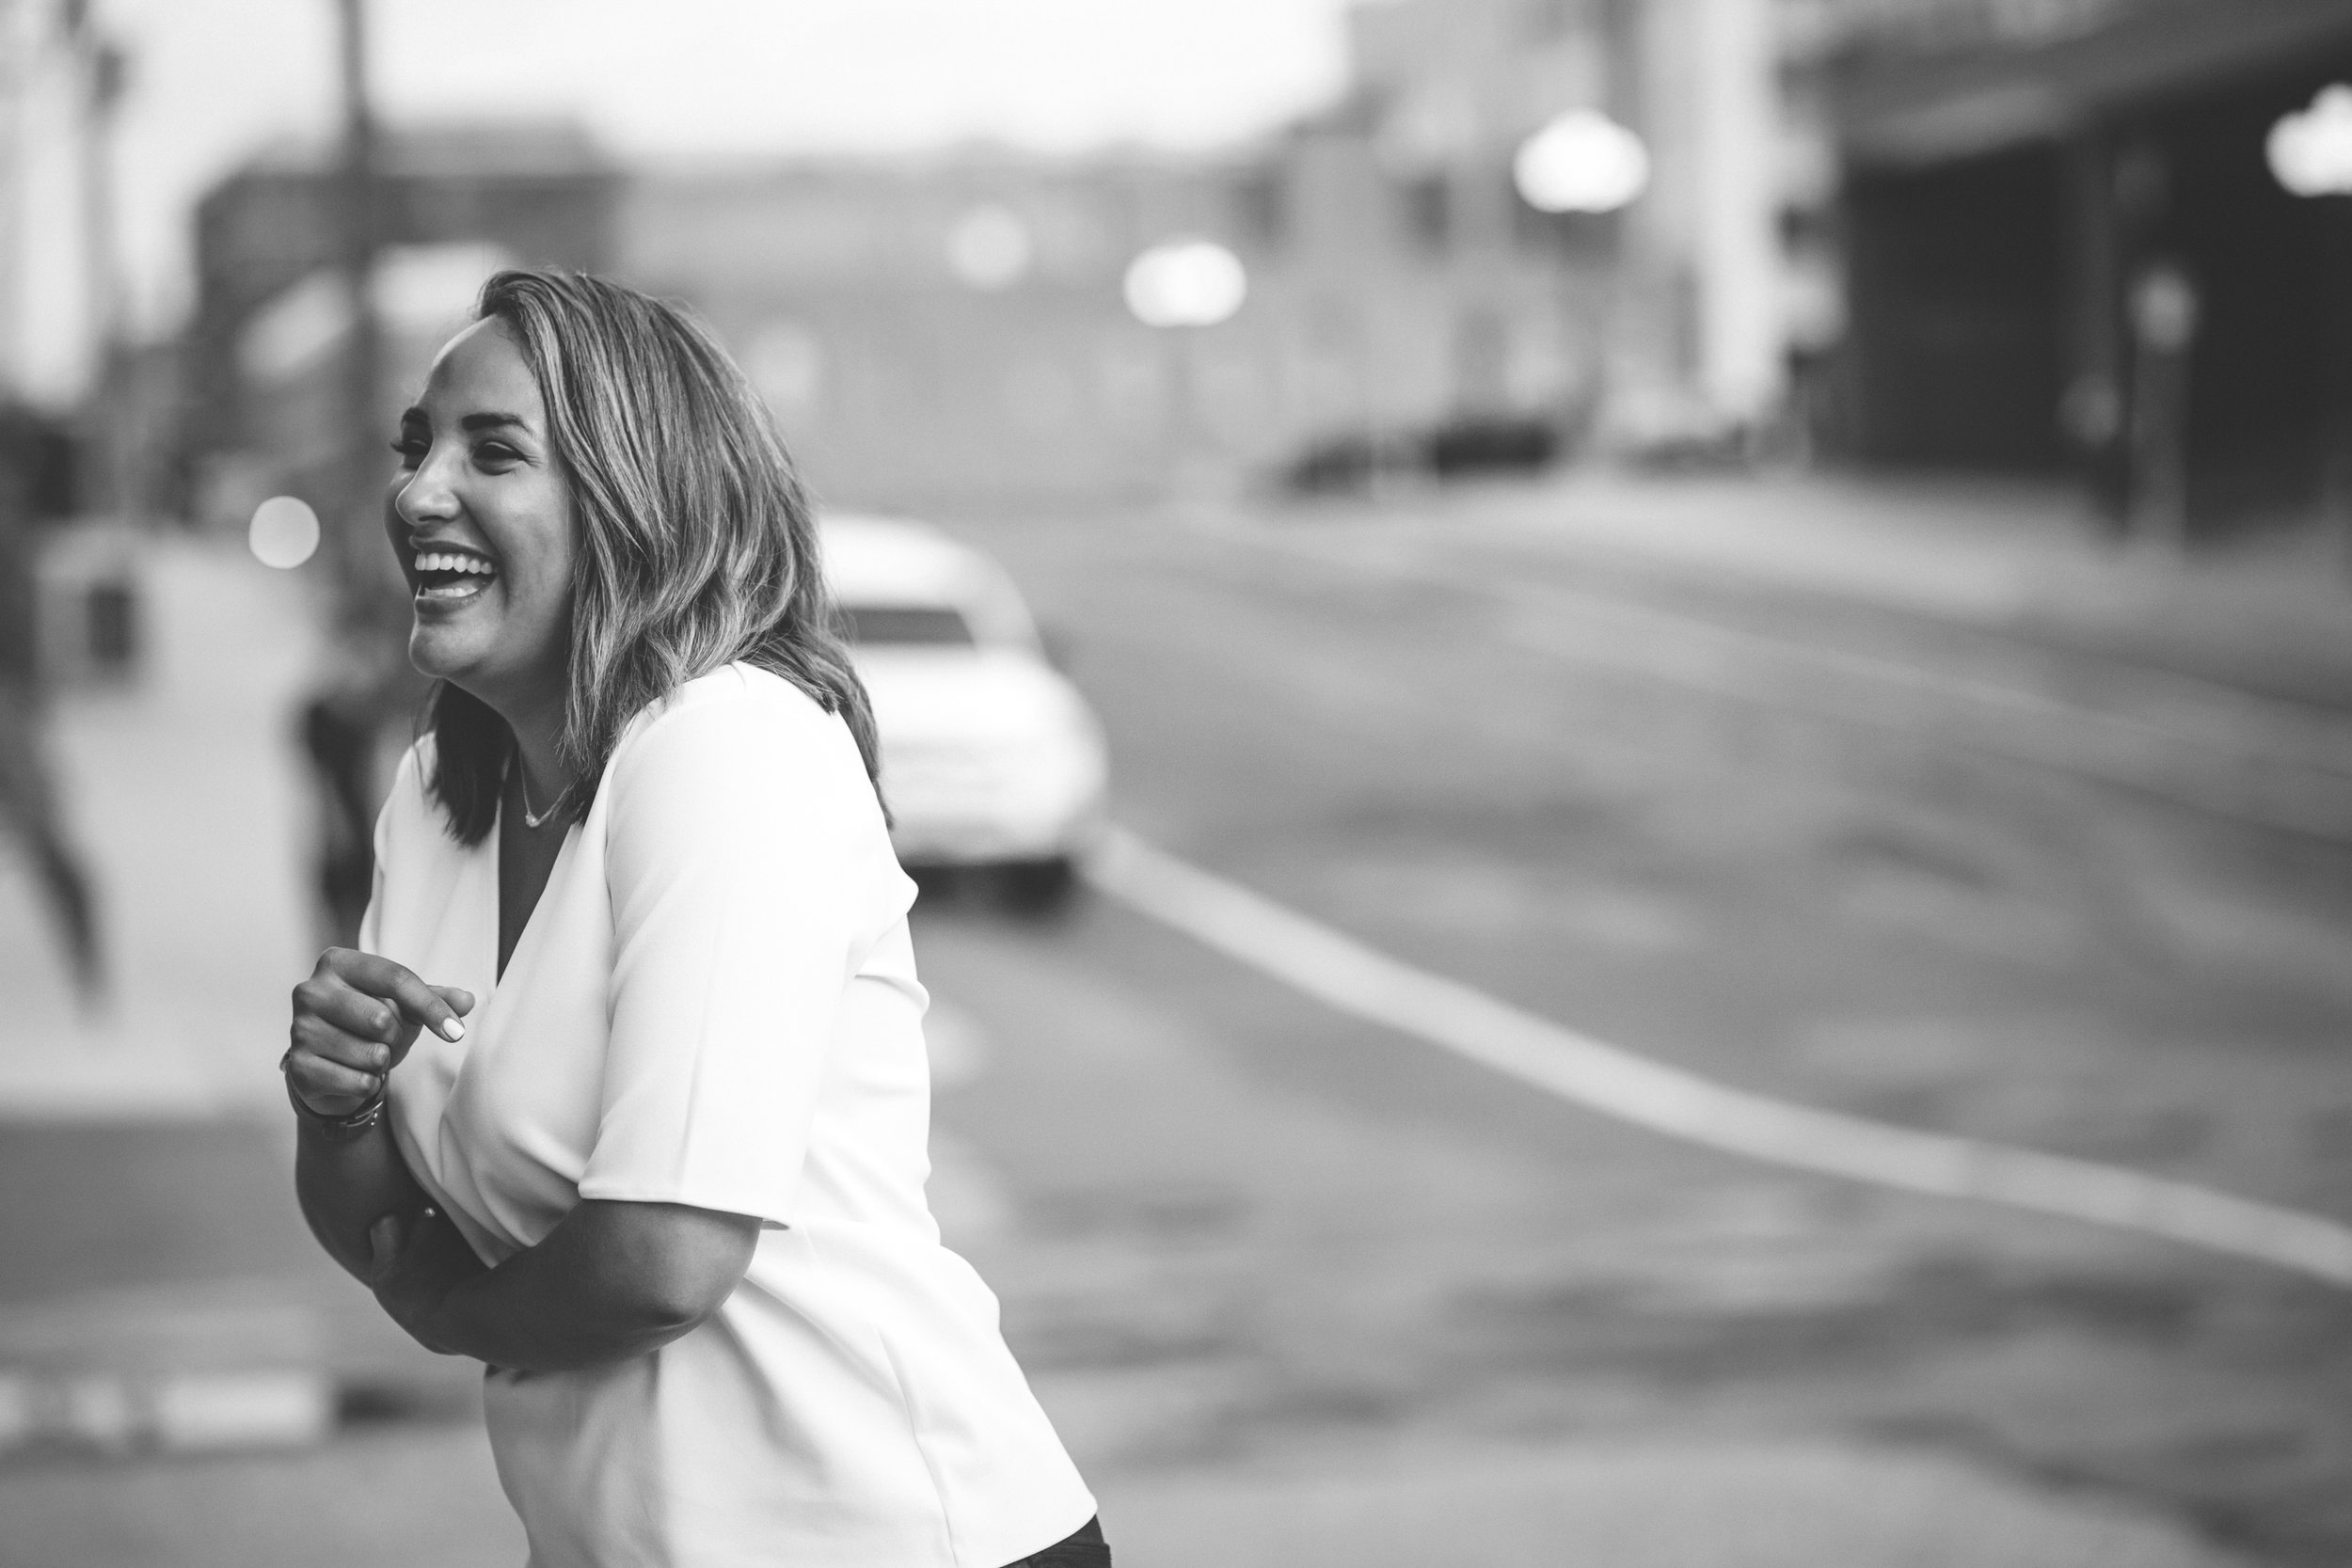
<point>1205,783</point>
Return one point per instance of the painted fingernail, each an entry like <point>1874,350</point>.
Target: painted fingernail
<point>453,1030</point>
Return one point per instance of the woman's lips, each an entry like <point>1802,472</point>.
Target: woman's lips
<point>463,589</point>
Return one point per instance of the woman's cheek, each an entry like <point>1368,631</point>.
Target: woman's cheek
<point>547,613</point>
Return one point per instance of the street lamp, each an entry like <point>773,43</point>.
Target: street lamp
<point>1180,287</point>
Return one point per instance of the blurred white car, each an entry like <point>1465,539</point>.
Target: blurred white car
<point>990,757</point>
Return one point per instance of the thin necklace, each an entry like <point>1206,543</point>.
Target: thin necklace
<point>522,791</point>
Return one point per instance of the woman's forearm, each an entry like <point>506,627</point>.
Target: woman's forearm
<point>611,1282</point>
<point>344,1185</point>
<point>540,1311</point>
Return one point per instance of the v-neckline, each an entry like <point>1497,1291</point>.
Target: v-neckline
<point>502,962</point>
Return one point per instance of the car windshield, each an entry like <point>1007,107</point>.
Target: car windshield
<point>905,625</point>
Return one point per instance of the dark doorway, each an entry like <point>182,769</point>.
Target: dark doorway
<point>2259,378</point>
<point>1954,290</point>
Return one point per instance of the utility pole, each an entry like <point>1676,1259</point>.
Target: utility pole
<point>12,76</point>
<point>365,701</point>
<point>100,71</point>
<point>101,67</point>
<point>353,526</point>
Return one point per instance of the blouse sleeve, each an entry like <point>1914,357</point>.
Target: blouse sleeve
<point>740,861</point>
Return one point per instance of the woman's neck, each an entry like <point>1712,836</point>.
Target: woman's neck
<point>545,776</point>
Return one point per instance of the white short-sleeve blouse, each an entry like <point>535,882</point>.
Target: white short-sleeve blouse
<point>715,1003</point>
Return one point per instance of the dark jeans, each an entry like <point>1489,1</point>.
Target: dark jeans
<point>1085,1548</point>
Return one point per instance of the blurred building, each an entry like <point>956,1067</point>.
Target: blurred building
<point>2066,244</point>
<point>950,326</point>
<point>1666,323</point>
<point>957,324</point>
<point>920,328</point>
<point>261,406</point>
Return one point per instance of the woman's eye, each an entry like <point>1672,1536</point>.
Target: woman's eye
<point>495,454</point>
<point>411,449</point>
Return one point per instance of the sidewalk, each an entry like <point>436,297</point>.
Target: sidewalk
<point>2270,615</point>
<point>182,791</point>
<point>159,1290</point>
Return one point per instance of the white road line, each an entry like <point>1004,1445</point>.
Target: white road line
<point>1354,978</point>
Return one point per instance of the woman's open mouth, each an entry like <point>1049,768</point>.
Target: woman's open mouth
<point>445,575</point>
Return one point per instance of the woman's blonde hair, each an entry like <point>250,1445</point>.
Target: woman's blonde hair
<point>697,547</point>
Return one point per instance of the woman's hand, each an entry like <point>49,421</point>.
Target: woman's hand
<point>414,1268</point>
<point>354,1018</point>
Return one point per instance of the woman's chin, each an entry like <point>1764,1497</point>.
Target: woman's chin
<point>436,652</point>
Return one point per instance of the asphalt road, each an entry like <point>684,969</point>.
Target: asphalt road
<point>1859,859</point>
<point>1889,909</point>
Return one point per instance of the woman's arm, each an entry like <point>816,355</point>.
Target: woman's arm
<point>354,1018</point>
<point>345,1185</point>
<point>612,1281</point>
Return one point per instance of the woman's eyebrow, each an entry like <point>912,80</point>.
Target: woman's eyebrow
<point>493,421</point>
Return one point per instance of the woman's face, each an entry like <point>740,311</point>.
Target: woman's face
<point>482,524</point>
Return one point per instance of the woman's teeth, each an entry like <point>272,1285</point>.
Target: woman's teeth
<point>442,575</point>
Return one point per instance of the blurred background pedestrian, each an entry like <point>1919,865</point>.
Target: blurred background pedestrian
<point>28,801</point>
<point>2163,309</point>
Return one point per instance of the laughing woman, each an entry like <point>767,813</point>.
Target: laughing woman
<point>624,1093</point>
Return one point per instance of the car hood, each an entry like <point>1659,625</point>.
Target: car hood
<point>934,697</point>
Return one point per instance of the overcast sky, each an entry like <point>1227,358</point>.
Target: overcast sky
<point>213,79</point>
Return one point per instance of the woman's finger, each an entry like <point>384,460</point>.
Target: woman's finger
<point>381,977</point>
<point>460,1000</point>
<point>331,1088</point>
<point>314,1037</point>
<point>355,1012</point>
<point>345,1007</point>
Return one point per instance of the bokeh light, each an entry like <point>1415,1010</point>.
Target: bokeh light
<point>1580,161</point>
<point>2311,151</point>
<point>284,533</point>
<point>989,248</point>
<point>1185,283</point>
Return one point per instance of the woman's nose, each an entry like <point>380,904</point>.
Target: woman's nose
<point>424,496</point>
